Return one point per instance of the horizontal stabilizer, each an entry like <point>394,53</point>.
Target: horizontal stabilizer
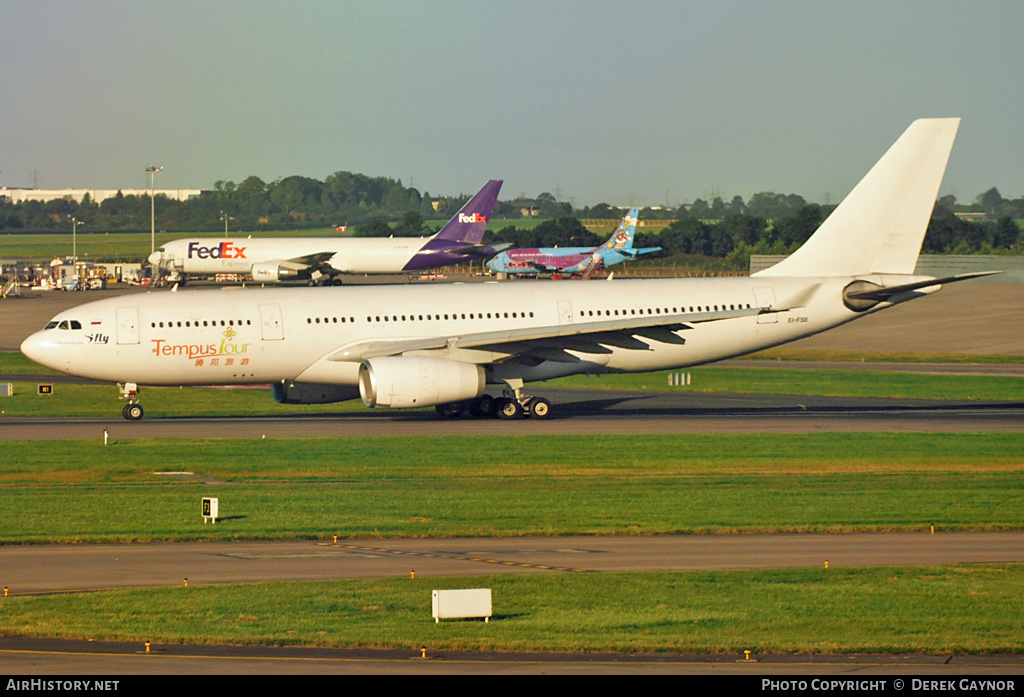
<point>883,293</point>
<point>634,253</point>
<point>479,250</point>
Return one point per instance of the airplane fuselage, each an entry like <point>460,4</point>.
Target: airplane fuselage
<point>210,256</point>
<point>268,335</point>
<point>554,259</point>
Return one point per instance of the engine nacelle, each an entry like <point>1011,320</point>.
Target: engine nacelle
<point>409,381</point>
<point>269,272</point>
<point>312,393</point>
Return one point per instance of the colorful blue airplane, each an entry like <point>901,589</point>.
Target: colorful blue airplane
<point>573,260</point>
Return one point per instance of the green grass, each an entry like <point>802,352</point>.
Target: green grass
<point>943,609</point>
<point>441,486</point>
<point>16,363</point>
<point>825,382</point>
<point>803,355</point>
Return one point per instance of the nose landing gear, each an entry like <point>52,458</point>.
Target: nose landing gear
<point>132,410</point>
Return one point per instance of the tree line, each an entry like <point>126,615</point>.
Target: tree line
<point>734,238</point>
<point>768,223</point>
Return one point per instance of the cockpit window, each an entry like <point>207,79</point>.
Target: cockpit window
<point>51,324</point>
<point>63,325</point>
<point>75,324</point>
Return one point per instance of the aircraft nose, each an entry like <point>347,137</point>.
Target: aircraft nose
<point>155,258</point>
<point>33,348</point>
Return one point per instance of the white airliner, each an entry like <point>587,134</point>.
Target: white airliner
<point>320,259</point>
<point>400,346</point>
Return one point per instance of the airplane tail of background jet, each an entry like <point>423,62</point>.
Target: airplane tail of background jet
<point>470,223</point>
<point>622,238</point>
<point>880,225</point>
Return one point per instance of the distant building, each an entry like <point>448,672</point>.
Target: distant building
<point>17,195</point>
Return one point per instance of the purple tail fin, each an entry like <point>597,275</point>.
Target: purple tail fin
<point>470,223</point>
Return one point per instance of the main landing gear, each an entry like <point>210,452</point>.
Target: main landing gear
<point>132,410</point>
<point>512,404</point>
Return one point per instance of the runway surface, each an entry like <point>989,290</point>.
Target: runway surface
<point>573,412</point>
<point>63,568</point>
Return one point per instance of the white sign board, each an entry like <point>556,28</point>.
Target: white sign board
<point>461,604</point>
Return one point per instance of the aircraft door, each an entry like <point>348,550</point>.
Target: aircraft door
<point>564,312</point>
<point>765,297</point>
<point>127,325</point>
<point>271,322</point>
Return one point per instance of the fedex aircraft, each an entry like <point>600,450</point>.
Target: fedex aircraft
<point>442,345</point>
<point>573,260</point>
<point>317,258</point>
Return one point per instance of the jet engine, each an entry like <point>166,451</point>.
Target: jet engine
<point>409,381</point>
<point>269,272</point>
<point>311,393</point>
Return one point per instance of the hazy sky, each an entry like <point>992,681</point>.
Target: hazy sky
<point>632,101</point>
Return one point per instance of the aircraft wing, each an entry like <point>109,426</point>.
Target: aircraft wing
<point>551,341</point>
<point>587,337</point>
<point>544,268</point>
<point>306,261</point>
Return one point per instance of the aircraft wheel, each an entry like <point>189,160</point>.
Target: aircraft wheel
<point>540,408</point>
<point>510,409</point>
<point>484,406</point>
<point>132,412</point>
<point>451,410</point>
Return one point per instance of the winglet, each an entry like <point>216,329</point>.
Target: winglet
<point>470,223</point>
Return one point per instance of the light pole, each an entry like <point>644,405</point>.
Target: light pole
<point>152,208</point>
<point>224,216</point>
<point>74,246</point>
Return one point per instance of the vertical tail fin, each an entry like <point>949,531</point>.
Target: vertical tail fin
<point>470,223</point>
<point>622,238</point>
<point>880,225</point>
